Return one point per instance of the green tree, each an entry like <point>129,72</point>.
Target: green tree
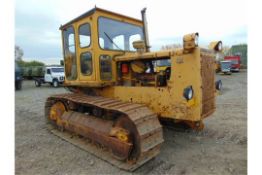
<point>30,63</point>
<point>18,53</point>
<point>226,49</point>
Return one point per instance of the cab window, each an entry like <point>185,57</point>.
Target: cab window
<point>118,35</point>
<point>84,35</point>
<point>86,63</point>
<point>133,38</point>
<point>102,43</point>
<point>69,53</point>
<point>105,67</point>
<point>119,42</point>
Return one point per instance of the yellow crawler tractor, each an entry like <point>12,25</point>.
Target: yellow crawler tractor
<point>117,99</point>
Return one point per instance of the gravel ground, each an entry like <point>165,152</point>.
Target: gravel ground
<point>221,148</point>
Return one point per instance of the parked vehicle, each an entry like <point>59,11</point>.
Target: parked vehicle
<point>226,67</point>
<point>18,77</point>
<point>235,62</point>
<point>32,72</point>
<point>54,75</point>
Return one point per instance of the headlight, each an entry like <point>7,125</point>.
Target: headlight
<point>190,41</point>
<point>219,85</point>
<point>216,45</point>
<point>188,93</point>
<point>220,46</point>
<point>196,39</point>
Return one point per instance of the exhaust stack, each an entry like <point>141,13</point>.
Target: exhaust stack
<point>145,30</point>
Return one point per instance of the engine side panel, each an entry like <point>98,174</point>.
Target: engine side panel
<point>168,101</point>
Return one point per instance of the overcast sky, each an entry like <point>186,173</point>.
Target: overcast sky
<point>37,22</point>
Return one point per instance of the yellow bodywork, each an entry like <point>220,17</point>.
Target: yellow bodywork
<point>167,101</point>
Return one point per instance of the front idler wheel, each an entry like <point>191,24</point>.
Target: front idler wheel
<point>56,111</point>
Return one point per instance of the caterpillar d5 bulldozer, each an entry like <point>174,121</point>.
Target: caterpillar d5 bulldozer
<point>117,99</point>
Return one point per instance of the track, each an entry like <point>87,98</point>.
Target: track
<point>146,122</point>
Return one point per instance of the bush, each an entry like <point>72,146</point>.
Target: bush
<point>30,63</point>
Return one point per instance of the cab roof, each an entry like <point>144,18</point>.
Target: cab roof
<point>91,12</point>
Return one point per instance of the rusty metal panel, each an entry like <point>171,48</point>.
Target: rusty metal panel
<point>208,85</point>
<point>97,130</point>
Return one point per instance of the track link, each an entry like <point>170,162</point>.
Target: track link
<point>146,122</point>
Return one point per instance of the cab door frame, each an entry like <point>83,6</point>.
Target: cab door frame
<point>85,49</point>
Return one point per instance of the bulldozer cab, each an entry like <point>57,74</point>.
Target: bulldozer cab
<point>90,43</point>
